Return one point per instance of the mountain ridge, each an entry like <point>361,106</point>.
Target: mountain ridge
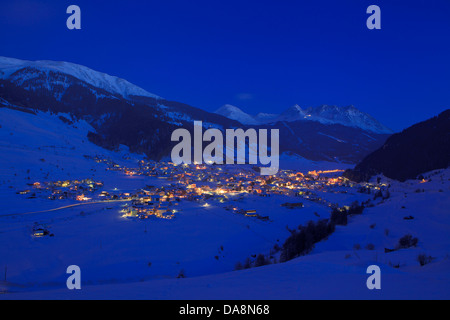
<point>348,116</point>
<point>421,148</point>
<point>145,123</point>
<point>112,84</point>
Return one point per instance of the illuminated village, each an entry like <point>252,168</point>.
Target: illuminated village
<point>205,184</point>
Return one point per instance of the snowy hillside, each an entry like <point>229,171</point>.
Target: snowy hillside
<point>203,239</point>
<point>130,258</point>
<point>42,146</point>
<point>335,269</point>
<point>115,85</point>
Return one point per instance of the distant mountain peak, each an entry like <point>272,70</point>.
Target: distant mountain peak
<point>234,113</point>
<point>348,116</point>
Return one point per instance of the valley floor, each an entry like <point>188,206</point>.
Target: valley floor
<point>114,252</point>
<point>129,258</point>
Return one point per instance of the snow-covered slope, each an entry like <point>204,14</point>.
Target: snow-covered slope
<point>46,147</point>
<point>36,146</point>
<point>115,85</point>
<point>127,259</point>
<point>335,269</point>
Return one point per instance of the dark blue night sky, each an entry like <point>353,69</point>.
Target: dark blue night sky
<point>262,56</point>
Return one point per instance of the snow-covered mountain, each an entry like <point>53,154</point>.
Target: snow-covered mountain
<point>123,114</point>
<point>237,114</point>
<point>120,112</point>
<point>9,68</point>
<point>347,116</point>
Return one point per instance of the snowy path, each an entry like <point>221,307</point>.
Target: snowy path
<point>64,207</point>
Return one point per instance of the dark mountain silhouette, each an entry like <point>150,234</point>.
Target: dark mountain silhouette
<point>418,149</point>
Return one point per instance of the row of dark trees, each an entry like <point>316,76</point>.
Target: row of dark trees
<point>302,241</point>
